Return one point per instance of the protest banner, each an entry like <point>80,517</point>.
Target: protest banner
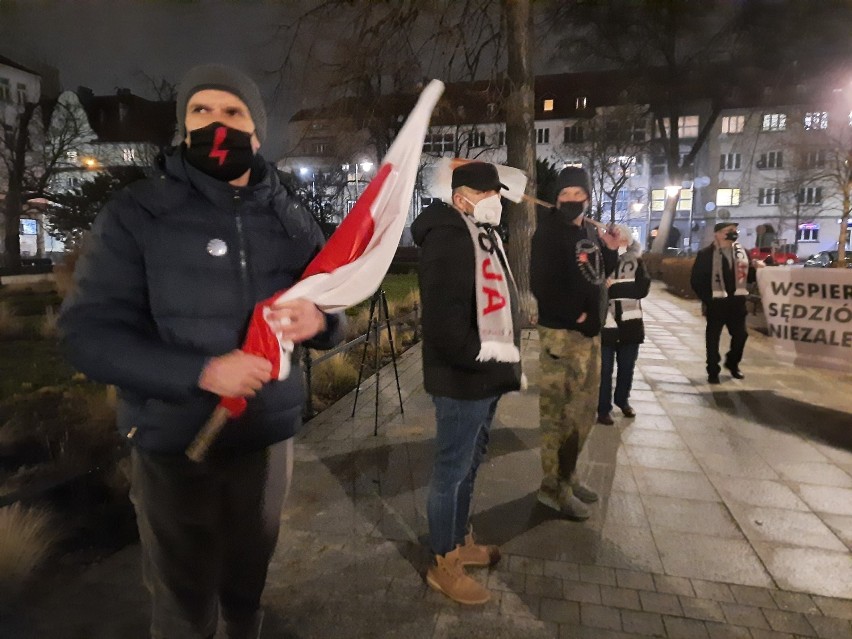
<point>809,314</point>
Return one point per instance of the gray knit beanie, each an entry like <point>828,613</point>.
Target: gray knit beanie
<point>223,78</point>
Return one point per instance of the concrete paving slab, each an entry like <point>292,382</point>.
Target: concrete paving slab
<point>674,537</point>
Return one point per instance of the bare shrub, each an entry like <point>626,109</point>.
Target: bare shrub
<point>675,272</point>
<point>357,324</point>
<point>11,326</point>
<point>48,323</point>
<point>334,377</point>
<point>27,537</point>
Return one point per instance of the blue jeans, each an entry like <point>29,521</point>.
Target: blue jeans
<point>626,355</point>
<point>460,443</point>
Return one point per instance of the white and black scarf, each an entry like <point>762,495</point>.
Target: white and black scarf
<point>493,296</point>
<point>628,307</point>
<point>738,260</point>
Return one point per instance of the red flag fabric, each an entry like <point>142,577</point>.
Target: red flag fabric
<point>352,264</point>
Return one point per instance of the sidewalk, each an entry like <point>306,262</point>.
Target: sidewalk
<point>725,511</point>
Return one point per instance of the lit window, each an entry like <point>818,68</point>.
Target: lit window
<point>733,124</point>
<point>581,103</point>
<point>128,155</point>
<point>727,197</point>
<point>684,202</point>
<point>687,126</point>
<point>658,199</point>
<point>71,155</point>
<point>816,120</point>
<point>730,162</point>
<point>808,233</point>
<point>548,105</point>
<point>774,122</point>
<point>768,197</point>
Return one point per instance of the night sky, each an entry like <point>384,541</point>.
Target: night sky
<point>105,44</point>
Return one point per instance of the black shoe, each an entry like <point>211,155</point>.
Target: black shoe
<point>606,419</point>
<point>736,373</point>
<point>713,379</point>
<point>627,411</point>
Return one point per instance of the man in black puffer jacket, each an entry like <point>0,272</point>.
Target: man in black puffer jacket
<point>175,266</point>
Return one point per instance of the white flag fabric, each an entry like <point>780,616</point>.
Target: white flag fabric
<point>440,182</point>
<point>354,261</point>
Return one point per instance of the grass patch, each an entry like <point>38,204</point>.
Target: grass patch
<point>28,364</point>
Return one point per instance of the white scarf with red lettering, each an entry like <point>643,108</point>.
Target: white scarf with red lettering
<point>493,296</point>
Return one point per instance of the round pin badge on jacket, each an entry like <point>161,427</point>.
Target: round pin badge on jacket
<point>217,247</point>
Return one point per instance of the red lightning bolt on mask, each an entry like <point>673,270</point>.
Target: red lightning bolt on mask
<point>217,152</point>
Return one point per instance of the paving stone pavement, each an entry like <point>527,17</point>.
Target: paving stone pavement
<point>725,511</point>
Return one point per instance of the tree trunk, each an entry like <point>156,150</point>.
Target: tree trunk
<point>11,227</point>
<point>520,145</point>
<point>666,222</point>
<point>13,204</point>
<point>844,226</point>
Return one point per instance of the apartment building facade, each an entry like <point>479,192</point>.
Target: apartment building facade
<point>766,160</point>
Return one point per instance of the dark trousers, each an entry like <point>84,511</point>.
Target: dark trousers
<point>208,532</point>
<point>731,313</point>
<point>461,441</point>
<point>625,355</point>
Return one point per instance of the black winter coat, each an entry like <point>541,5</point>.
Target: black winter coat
<point>174,267</point>
<point>450,332</point>
<point>701,280</point>
<point>557,277</point>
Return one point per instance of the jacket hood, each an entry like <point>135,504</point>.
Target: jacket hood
<point>435,215</point>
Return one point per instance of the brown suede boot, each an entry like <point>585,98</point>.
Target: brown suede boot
<point>474,554</point>
<point>448,577</point>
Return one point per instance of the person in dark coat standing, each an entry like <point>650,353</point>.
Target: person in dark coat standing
<point>719,278</point>
<point>570,261</point>
<point>471,357</point>
<point>624,328</point>
<point>163,296</point>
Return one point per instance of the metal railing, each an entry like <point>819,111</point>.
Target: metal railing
<point>309,362</point>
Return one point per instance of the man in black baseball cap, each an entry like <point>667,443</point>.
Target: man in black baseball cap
<point>471,356</point>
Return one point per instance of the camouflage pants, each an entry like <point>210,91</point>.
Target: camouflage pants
<point>570,383</point>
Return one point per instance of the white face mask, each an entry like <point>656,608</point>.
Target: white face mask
<point>488,210</point>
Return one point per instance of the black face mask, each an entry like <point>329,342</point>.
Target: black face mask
<point>220,151</point>
<point>572,210</point>
<point>732,236</point>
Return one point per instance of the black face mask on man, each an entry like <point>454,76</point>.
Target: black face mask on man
<point>732,236</point>
<point>220,151</point>
<point>572,210</point>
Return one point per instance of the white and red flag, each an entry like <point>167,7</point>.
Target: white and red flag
<point>354,261</point>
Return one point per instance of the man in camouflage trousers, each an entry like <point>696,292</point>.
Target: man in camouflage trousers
<point>569,266</point>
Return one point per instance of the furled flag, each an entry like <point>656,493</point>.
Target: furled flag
<point>352,264</point>
<point>439,185</point>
